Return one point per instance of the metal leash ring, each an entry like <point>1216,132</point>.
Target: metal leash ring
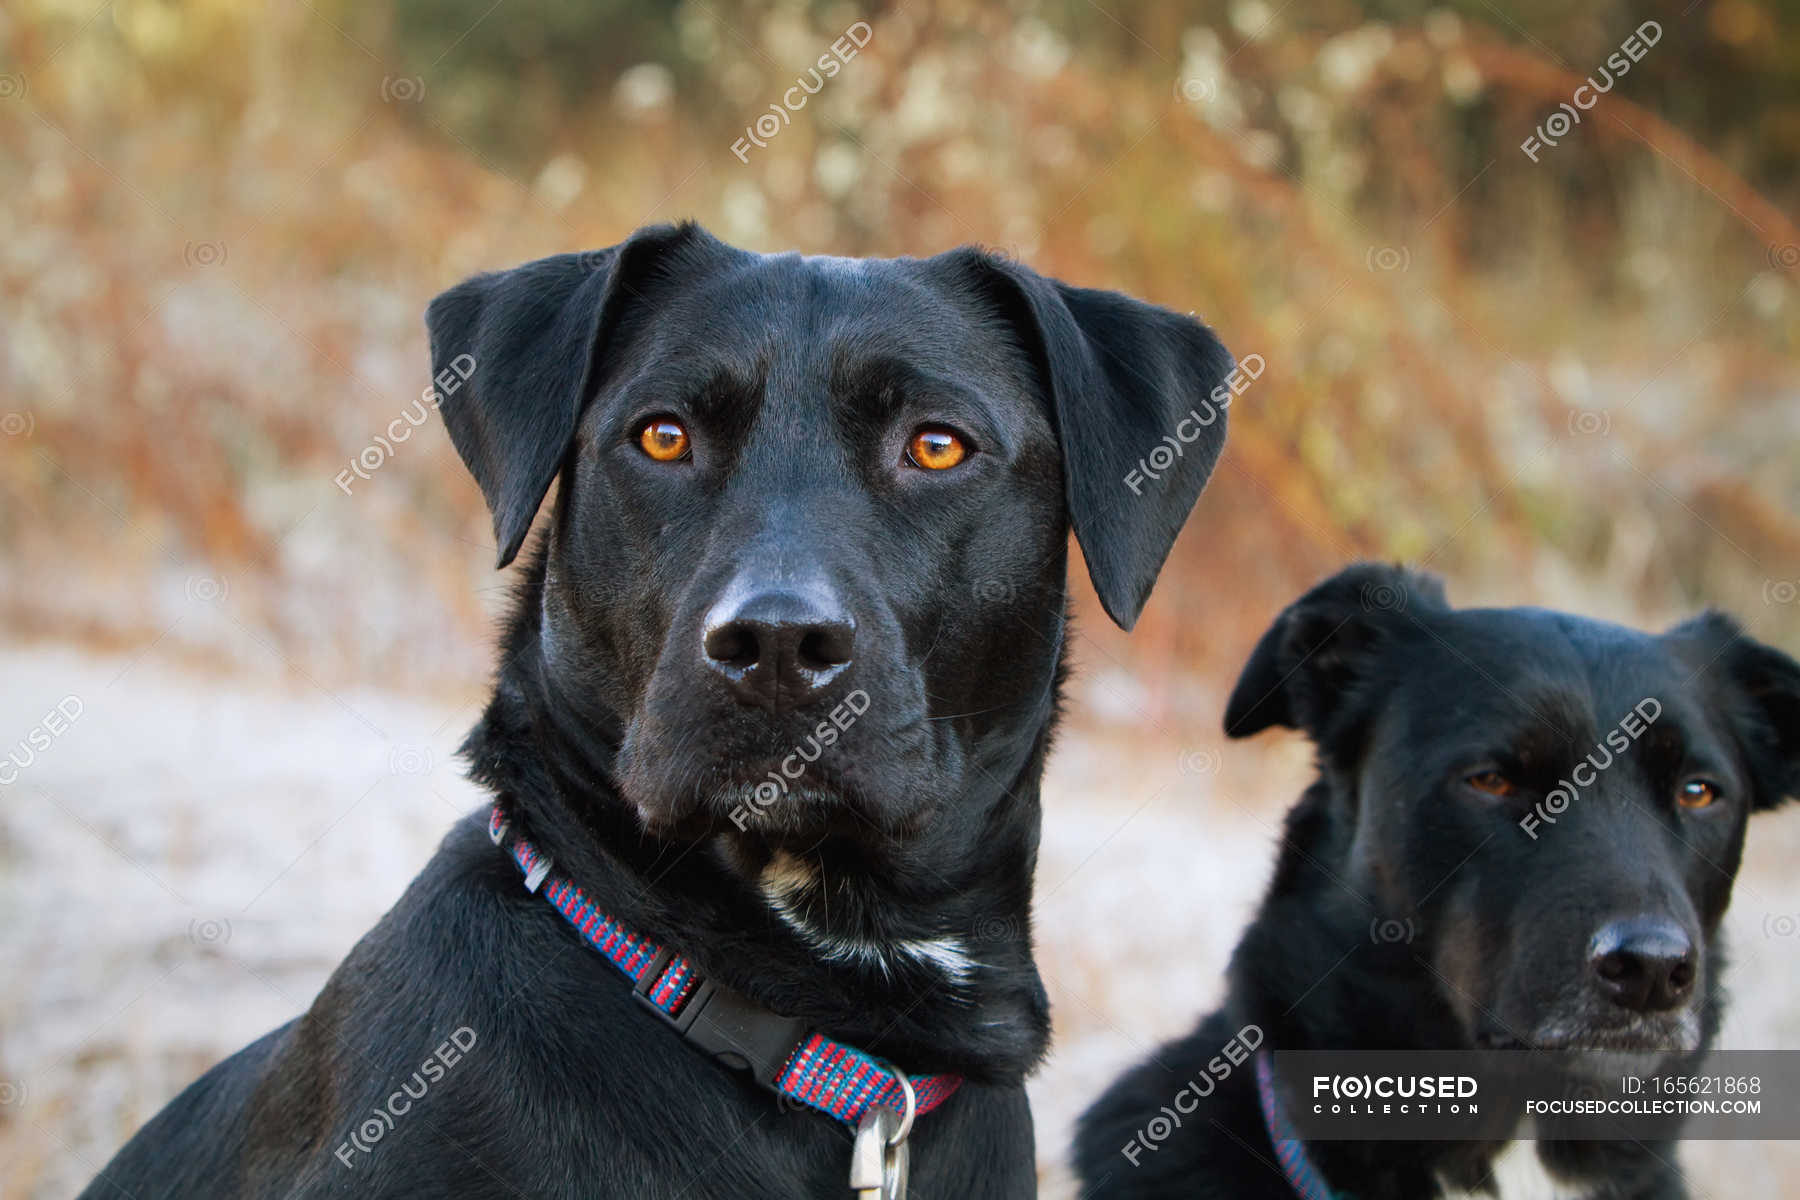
<point>912,1106</point>
<point>880,1157</point>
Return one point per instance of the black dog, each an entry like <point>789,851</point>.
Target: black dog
<point>776,697</point>
<point>1436,890</point>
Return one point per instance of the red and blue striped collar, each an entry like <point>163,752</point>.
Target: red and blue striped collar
<point>1290,1150</point>
<point>781,1052</point>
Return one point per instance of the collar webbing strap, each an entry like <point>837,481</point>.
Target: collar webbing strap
<point>1290,1149</point>
<point>780,1052</point>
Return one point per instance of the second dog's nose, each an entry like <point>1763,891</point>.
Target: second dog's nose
<point>1646,964</point>
<point>779,649</point>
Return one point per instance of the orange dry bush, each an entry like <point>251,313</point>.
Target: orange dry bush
<point>223,225</point>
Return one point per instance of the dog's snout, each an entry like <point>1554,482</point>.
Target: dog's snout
<point>780,649</point>
<point>1646,964</point>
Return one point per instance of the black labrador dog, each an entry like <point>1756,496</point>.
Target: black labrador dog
<point>1524,834</point>
<point>766,738</point>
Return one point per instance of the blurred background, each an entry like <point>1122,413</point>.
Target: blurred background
<point>1553,360</point>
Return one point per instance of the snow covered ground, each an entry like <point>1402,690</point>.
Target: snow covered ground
<point>188,858</point>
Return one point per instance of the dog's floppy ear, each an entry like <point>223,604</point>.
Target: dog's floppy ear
<point>1759,688</point>
<point>1306,669</point>
<point>1138,394</point>
<point>514,357</point>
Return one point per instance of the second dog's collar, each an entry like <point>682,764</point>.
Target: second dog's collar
<point>1290,1150</point>
<point>781,1053</point>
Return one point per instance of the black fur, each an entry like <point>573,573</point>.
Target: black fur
<point>612,742</point>
<point>1410,910</point>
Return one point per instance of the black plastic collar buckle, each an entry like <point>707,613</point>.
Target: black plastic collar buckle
<point>729,1027</point>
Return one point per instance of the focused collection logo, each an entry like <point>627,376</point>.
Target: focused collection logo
<point>1395,1095</point>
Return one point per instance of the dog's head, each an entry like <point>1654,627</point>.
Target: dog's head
<point>805,571</point>
<point>1544,813</point>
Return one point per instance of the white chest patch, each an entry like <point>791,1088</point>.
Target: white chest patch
<point>1521,1175</point>
<point>788,884</point>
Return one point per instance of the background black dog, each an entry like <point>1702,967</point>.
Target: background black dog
<point>1423,900</point>
<point>789,487</point>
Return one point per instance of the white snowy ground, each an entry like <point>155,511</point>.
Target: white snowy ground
<point>183,866</point>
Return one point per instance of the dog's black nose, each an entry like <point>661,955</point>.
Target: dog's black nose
<point>1646,964</point>
<point>779,649</point>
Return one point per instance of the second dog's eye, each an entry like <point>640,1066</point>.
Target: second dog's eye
<point>664,440</point>
<point>936,448</point>
<point>1697,793</point>
<point>1491,783</point>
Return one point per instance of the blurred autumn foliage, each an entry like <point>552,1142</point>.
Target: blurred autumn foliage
<point>1569,380</point>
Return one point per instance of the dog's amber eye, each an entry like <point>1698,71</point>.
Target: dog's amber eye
<point>936,448</point>
<point>664,440</point>
<point>1697,793</point>
<point>1492,783</point>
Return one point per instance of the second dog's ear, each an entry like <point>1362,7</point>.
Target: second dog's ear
<point>514,359</point>
<point>1138,395</point>
<point>1757,689</point>
<point>1305,669</point>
